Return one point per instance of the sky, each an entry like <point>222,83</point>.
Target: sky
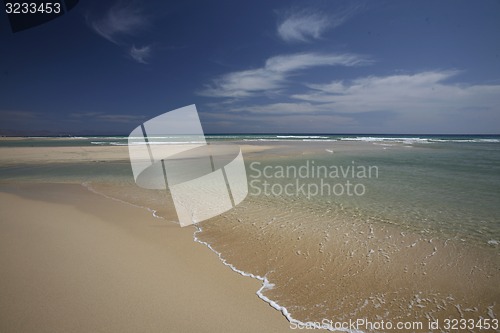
<point>378,67</point>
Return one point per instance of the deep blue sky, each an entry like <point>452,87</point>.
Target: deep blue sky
<point>257,67</point>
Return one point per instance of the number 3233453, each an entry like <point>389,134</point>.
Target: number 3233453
<point>33,8</point>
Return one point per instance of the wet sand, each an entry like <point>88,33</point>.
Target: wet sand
<point>342,269</point>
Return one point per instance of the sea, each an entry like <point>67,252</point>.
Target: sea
<point>339,228</point>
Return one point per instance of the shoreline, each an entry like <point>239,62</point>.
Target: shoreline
<point>265,286</point>
<point>218,294</point>
<point>312,258</point>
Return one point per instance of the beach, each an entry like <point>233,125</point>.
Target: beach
<point>74,261</point>
<point>333,230</point>
<point>272,166</point>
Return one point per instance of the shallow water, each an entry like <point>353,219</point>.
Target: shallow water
<point>420,243</point>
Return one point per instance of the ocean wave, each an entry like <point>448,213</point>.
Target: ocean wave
<point>107,143</point>
<point>265,140</point>
<point>466,140</point>
<point>411,140</point>
<point>288,140</point>
<point>302,136</point>
<point>384,139</point>
<point>115,143</point>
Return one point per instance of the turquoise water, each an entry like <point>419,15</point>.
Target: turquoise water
<point>426,228</point>
<point>453,188</point>
<point>448,185</point>
<point>449,189</point>
<point>122,140</point>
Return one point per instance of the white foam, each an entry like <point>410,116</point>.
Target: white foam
<point>491,314</point>
<point>486,140</point>
<point>114,143</point>
<point>292,138</point>
<point>153,211</point>
<point>493,242</point>
<point>108,143</point>
<point>411,140</point>
<point>386,139</point>
<point>265,286</point>
<point>466,140</point>
<point>302,136</point>
<point>265,140</point>
<point>107,137</point>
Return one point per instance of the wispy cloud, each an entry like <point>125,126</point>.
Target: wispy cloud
<point>419,102</point>
<point>303,26</point>
<point>274,74</point>
<point>420,92</point>
<point>307,24</point>
<point>120,22</point>
<point>140,54</point>
<point>121,19</point>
